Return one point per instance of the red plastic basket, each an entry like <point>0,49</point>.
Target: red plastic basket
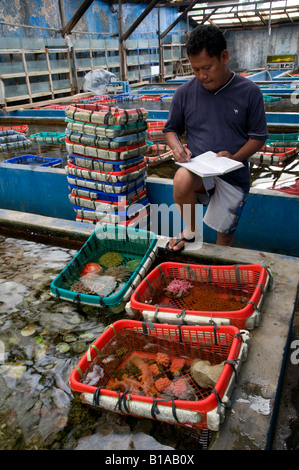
<point>23,129</point>
<point>156,124</point>
<point>238,289</point>
<point>274,155</point>
<point>125,339</point>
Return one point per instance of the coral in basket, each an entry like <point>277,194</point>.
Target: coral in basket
<point>178,288</point>
<point>145,371</point>
<point>91,268</point>
<point>231,294</point>
<point>111,259</point>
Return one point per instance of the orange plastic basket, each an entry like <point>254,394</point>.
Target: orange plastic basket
<point>99,373</point>
<point>230,294</point>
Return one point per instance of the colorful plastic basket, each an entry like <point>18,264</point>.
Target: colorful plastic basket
<point>105,130</point>
<point>104,165</point>
<point>157,153</point>
<point>48,137</point>
<point>102,114</point>
<point>273,155</point>
<point>129,243</point>
<point>116,189</point>
<point>119,371</point>
<point>200,294</point>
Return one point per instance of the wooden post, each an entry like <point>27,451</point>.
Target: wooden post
<point>50,74</point>
<point>122,49</point>
<point>26,76</point>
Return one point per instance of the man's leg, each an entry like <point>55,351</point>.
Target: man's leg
<point>225,239</point>
<point>185,187</point>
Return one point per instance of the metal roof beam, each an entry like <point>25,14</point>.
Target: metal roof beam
<point>76,17</point>
<point>182,16</point>
<point>149,8</point>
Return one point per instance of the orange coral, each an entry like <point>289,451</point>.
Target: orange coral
<point>177,364</point>
<point>154,369</point>
<point>163,359</point>
<point>146,377</point>
<point>162,384</point>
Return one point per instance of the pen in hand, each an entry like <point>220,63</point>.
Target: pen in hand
<point>187,157</point>
<point>179,141</point>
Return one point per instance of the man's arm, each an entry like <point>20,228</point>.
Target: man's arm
<point>249,148</point>
<point>180,154</point>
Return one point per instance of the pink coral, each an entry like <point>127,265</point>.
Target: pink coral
<point>179,387</point>
<point>178,287</point>
<point>177,364</point>
<point>163,359</point>
<point>162,384</point>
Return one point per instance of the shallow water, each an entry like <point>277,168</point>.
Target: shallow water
<point>43,339</point>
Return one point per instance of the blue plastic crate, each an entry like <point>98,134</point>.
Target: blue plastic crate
<point>105,165</point>
<point>35,160</point>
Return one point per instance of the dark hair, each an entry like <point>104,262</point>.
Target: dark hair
<point>207,37</point>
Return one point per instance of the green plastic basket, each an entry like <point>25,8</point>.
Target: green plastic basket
<point>131,243</point>
<point>48,137</point>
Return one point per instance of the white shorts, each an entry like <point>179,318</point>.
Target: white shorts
<point>225,204</point>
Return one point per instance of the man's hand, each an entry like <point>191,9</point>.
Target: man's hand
<point>181,155</point>
<point>248,149</point>
<point>224,153</point>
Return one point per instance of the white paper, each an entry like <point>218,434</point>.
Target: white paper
<point>208,164</point>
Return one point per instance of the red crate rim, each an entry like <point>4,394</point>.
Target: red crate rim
<point>244,312</point>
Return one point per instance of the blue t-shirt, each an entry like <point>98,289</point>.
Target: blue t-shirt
<point>221,120</point>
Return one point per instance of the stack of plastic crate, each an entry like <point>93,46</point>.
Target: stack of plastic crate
<point>155,131</point>
<point>106,168</point>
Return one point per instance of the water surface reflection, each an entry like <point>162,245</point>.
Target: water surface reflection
<point>43,339</point>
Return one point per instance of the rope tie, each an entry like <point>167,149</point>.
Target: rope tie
<point>156,320</point>
<point>239,335</point>
<point>122,399</point>
<point>182,315</point>
<point>149,324</point>
<point>232,363</point>
<point>219,401</point>
<point>215,328</point>
<point>95,400</point>
<point>150,286</point>
<point>126,116</point>
<point>57,293</point>
<point>190,271</point>
<point>180,334</point>
<point>254,305</point>
<point>238,273</point>
<point>155,411</point>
